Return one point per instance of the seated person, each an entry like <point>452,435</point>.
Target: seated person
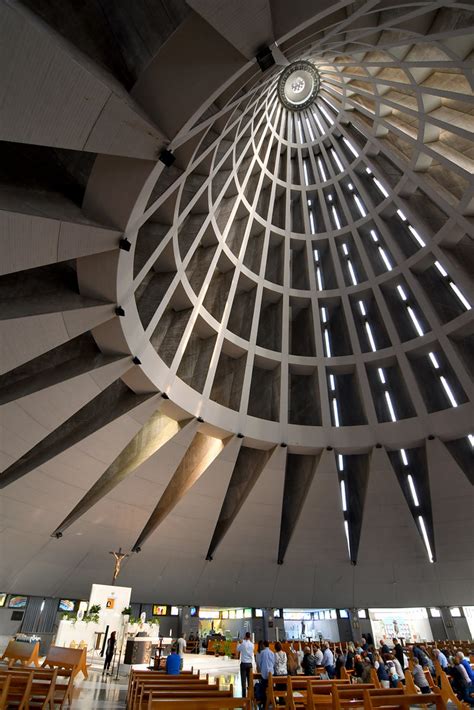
<point>419,677</point>
<point>173,663</point>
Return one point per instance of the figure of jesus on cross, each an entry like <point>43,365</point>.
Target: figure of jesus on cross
<point>119,556</point>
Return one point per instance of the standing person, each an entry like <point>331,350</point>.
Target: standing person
<point>182,645</point>
<point>260,648</point>
<point>383,648</point>
<point>389,657</point>
<point>318,655</point>
<point>350,656</point>
<point>281,663</point>
<point>382,672</point>
<point>109,651</point>
<point>308,664</point>
<point>245,648</point>
<point>267,664</point>
<point>340,662</point>
<point>328,661</point>
<point>398,652</point>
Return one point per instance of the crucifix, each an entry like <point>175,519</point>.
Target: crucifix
<point>119,556</point>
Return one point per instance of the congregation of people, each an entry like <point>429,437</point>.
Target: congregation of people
<point>390,662</point>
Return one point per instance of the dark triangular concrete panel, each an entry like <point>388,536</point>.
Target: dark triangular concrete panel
<point>201,453</point>
<point>45,289</point>
<point>73,358</point>
<point>111,403</point>
<point>418,469</point>
<point>153,435</point>
<point>356,477</point>
<point>299,475</point>
<point>462,452</point>
<point>248,467</point>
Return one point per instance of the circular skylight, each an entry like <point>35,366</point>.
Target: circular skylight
<point>298,85</point>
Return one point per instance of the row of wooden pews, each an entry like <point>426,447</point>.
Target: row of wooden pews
<point>311,693</point>
<point>24,684</point>
<point>25,688</point>
<point>154,690</point>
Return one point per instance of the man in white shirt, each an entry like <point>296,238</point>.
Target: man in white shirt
<point>181,645</point>
<point>318,654</point>
<point>328,661</point>
<point>245,648</point>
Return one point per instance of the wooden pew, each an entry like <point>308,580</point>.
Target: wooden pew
<point>73,659</point>
<point>446,689</point>
<point>4,687</point>
<point>178,694</point>
<point>19,688</point>
<point>355,696</point>
<point>43,688</point>
<point>143,683</point>
<point>25,653</point>
<point>144,689</point>
<point>46,690</point>
<point>136,677</point>
<point>403,702</point>
<point>203,704</point>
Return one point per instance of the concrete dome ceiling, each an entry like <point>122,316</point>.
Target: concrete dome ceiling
<point>253,365</point>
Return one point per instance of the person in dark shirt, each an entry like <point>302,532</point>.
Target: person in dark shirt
<point>173,663</point>
<point>340,662</point>
<point>383,648</point>
<point>308,664</point>
<point>350,657</point>
<point>109,651</point>
<point>358,666</point>
<point>398,652</point>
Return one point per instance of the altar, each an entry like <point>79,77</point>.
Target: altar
<point>82,631</point>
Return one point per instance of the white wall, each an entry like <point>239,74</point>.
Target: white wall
<point>328,629</point>
<point>7,627</point>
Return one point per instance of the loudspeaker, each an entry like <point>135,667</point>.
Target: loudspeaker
<point>265,58</point>
<point>167,157</point>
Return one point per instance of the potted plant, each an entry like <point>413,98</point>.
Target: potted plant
<point>227,649</point>
<point>92,614</point>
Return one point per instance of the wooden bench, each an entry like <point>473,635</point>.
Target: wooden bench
<point>203,704</point>
<point>321,690</point>
<point>4,687</point>
<point>73,659</point>
<point>144,689</point>
<point>136,678</point>
<point>403,702</point>
<point>446,689</point>
<point>355,696</point>
<point>19,687</point>
<point>46,689</point>
<point>25,653</point>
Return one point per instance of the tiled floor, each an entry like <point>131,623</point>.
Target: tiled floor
<point>100,692</point>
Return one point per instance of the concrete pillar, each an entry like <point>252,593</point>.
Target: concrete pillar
<point>457,628</point>
<point>187,624</point>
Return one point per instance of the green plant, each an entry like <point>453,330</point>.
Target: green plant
<point>69,616</point>
<point>134,620</point>
<point>88,618</point>
<point>127,611</point>
<point>227,648</point>
<point>154,621</point>
<point>95,609</point>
